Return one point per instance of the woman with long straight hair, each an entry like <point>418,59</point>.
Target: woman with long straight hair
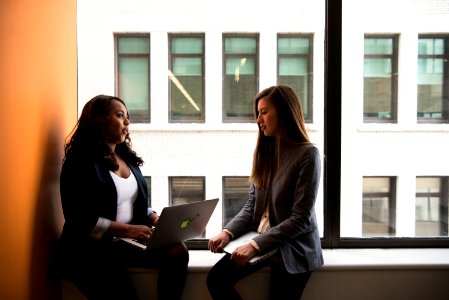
<point>280,207</point>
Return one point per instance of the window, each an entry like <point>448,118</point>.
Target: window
<point>240,79</point>
<point>380,79</point>
<point>378,206</point>
<point>433,79</point>
<point>133,74</point>
<point>431,206</point>
<point>186,189</point>
<point>362,81</point>
<point>295,67</point>
<point>186,78</point>
<point>235,194</point>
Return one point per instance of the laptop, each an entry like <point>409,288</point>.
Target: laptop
<point>244,239</point>
<point>178,223</point>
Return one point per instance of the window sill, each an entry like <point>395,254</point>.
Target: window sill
<point>349,259</point>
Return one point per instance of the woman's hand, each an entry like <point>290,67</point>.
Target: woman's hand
<point>123,230</point>
<point>243,254</point>
<point>140,232</point>
<point>218,242</point>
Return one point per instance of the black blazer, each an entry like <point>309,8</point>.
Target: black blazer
<point>87,193</point>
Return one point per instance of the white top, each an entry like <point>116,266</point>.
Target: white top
<point>126,196</point>
<point>127,190</point>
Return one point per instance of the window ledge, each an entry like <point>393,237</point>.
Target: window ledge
<point>348,259</point>
<point>381,259</point>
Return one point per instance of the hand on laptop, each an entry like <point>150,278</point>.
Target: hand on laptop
<point>141,232</point>
<point>218,242</point>
<point>243,254</point>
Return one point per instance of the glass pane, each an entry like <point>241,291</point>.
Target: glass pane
<point>187,46</point>
<point>378,46</point>
<point>240,66</point>
<point>133,45</point>
<point>186,189</point>
<point>293,46</point>
<point>240,88</point>
<point>187,66</point>
<point>377,201</point>
<point>432,89</point>
<point>186,98</point>
<point>428,185</point>
<point>240,45</point>
<point>235,195</point>
<point>133,83</point>
<point>427,46</point>
<point>393,74</point>
<point>293,66</point>
<point>431,209</point>
<point>186,80</point>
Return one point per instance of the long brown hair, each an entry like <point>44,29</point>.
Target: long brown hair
<point>88,139</point>
<point>292,130</point>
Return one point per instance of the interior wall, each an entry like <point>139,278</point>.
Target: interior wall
<point>38,79</point>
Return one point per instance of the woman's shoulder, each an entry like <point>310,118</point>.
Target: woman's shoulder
<point>79,163</point>
<point>309,148</point>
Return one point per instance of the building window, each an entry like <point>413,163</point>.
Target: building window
<point>133,74</point>
<point>379,204</point>
<point>431,213</point>
<point>241,75</point>
<point>380,79</point>
<point>433,79</point>
<point>295,67</point>
<point>186,189</point>
<point>186,78</point>
<point>235,194</point>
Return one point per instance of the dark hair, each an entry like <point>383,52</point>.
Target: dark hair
<point>88,139</point>
<point>292,130</point>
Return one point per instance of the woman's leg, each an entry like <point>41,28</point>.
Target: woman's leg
<point>99,275</point>
<point>225,274</point>
<point>286,286</point>
<point>172,263</point>
<point>172,272</point>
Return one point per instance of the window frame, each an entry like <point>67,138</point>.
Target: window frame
<point>391,196</point>
<point>256,36</point>
<point>445,92</point>
<point>171,56</point>
<point>117,36</point>
<point>332,148</point>
<point>443,197</point>
<point>309,57</point>
<point>394,57</point>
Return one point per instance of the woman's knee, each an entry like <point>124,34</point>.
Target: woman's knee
<point>179,253</point>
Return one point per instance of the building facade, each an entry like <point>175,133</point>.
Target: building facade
<point>189,70</point>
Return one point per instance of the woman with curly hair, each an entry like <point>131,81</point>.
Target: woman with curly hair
<point>105,197</point>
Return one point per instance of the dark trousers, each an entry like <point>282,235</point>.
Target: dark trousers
<point>104,275</point>
<point>225,274</point>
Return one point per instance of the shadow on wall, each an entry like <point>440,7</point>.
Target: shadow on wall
<point>48,220</point>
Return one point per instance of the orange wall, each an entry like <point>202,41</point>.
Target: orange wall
<point>38,84</point>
